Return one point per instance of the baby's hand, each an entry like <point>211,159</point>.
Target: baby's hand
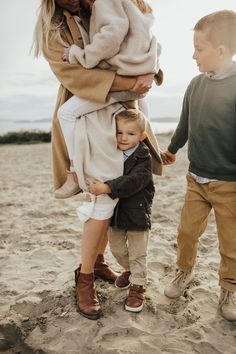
<point>98,188</point>
<point>169,158</point>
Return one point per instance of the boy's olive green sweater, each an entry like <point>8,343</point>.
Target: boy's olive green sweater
<point>208,122</point>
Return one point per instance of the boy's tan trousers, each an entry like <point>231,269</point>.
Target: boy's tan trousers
<point>199,200</point>
<point>130,250</point>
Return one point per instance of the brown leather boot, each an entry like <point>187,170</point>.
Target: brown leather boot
<point>103,271</point>
<point>86,298</point>
<point>135,299</point>
<point>122,281</point>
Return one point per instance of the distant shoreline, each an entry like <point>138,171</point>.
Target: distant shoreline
<point>48,120</point>
<point>25,137</point>
<point>160,125</point>
<point>34,137</point>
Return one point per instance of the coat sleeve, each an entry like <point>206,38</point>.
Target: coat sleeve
<point>91,84</point>
<point>127,185</point>
<point>111,26</point>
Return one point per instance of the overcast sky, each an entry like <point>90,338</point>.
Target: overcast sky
<point>28,88</point>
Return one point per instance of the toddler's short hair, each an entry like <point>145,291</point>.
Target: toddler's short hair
<point>132,115</point>
<point>220,27</point>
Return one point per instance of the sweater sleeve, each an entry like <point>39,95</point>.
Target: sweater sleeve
<point>180,135</point>
<point>111,25</point>
<point>128,185</point>
<point>91,84</point>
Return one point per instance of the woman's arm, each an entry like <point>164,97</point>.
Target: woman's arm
<point>93,84</point>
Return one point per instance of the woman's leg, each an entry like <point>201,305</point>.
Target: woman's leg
<point>92,241</point>
<point>103,243</point>
<point>101,268</point>
<point>86,297</point>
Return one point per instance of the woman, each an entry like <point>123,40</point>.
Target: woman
<point>55,30</point>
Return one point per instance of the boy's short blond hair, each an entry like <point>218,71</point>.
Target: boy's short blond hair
<point>220,27</point>
<point>134,116</point>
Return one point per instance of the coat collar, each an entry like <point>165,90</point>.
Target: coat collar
<point>74,29</point>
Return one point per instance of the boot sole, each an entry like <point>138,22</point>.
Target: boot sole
<point>122,287</point>
<point>94,316</point>
<point>68,195</point>
<point>134,309</point>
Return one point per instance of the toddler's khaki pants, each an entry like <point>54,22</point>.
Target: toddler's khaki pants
<point>130,250</point>
<point>199,200</point>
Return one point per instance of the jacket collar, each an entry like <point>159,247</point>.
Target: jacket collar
<point>141,152</point>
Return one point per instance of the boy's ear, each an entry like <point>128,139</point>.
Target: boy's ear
<point>143,136</point>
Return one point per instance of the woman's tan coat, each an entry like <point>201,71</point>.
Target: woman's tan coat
<point>93,84</point>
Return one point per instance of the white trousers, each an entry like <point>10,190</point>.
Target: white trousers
<point>76,107</point>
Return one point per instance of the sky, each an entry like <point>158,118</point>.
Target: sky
<point>28,88</point>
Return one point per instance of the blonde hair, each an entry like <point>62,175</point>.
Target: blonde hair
<point>49,23</point>
<point>220,27</point>
<point>133,116</point>
<point>143,6</point>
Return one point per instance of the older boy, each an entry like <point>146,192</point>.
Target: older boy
<point>208,122</point>
<point>130,223</point>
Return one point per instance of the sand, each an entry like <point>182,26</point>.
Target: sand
<point>40,248</point>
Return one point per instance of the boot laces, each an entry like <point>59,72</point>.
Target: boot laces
<point>180,277</point>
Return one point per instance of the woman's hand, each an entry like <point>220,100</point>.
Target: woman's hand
<point>143,83</point>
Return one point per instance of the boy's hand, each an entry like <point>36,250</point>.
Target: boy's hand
<point>169,158</point>
<point>98,188</point>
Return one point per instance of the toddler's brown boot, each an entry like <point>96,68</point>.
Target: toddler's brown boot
<point>135,299</point>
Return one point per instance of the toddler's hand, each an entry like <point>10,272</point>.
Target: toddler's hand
<point>169,158</point>
<point>98,188</point>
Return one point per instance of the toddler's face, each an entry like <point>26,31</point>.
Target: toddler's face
<point>127,134</point>
<point>206,55</point>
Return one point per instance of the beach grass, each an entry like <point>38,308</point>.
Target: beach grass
<point>25,137</point>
